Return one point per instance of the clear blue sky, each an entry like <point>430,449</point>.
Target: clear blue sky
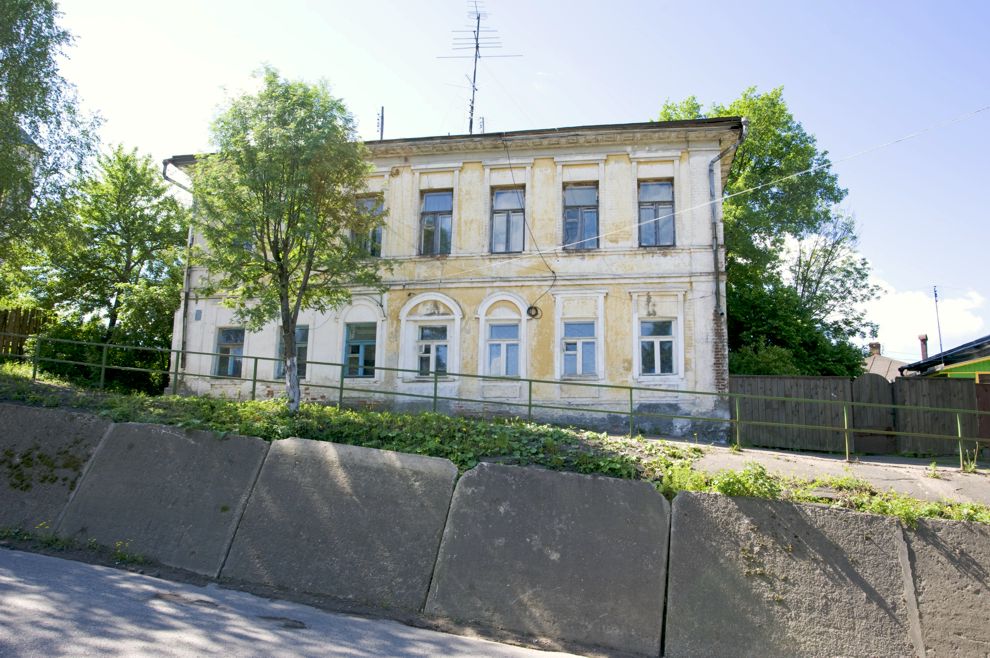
<point>856,74</point>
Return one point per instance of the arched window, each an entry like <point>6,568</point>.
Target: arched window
<point>502,336</point>
<point>430,330</point>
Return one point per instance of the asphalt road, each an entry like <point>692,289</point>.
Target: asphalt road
<point>55,607</point>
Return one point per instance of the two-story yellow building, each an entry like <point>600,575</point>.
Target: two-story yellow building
<point>577,257</point>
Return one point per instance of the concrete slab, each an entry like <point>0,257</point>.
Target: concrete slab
<point>168,494</point>
<point>42,455</point>
<point>572,557</point>
<point>951,566</point>
<point>356,524</point>
<point>751,577</point>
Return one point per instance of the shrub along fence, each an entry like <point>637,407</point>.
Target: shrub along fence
<point>830,414</point>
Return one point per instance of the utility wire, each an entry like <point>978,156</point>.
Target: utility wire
<point>872,149</point>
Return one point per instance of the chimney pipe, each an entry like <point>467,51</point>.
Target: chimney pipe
<point>923,338</point>
<point>874,349</point>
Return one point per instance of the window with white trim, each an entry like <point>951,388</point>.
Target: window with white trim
<point>230,349</point>
<point>503,349</point>
<point>579,349</point>
<point>656,347</point>
<point>435,223</point>
<point>431,350</point>
<point>302,348</point>
<point>359,349</point>
<point>656,214</point>
<point>508,220</point>
<point>581,216</point>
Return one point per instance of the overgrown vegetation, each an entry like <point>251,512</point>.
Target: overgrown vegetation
<point>466,442</point>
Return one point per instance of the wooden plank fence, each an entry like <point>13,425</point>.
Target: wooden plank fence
<point>19,321</point>
<point>927,392</point>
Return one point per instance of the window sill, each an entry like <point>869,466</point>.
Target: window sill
<point>419,379</point>
<point>657,246</point>
<point>660,380</point>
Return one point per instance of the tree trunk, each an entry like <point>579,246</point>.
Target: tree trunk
<point>291,365</point>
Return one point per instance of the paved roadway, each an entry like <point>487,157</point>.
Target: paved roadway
<point>55,607</point>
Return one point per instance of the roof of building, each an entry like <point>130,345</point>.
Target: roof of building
<point>974,349</point>
<point>604,134</point>
<point>877,364</point>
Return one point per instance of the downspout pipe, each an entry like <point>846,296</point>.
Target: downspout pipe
<point>187,269</point>
<point>714,208</point>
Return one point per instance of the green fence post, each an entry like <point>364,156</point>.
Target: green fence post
<point>529,403</point>
<point>103,366</point>
<point>845,427</point>
<point>738,426</point>
<point>254,378</point>
<point>436,384</point>
<point>37,357</point>
<point>632,411</point>
<point>962,463</point>
<point>340,388</point>
<point>175,371</point>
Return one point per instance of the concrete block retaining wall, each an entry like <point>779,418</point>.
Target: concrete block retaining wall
<point>581,561</point>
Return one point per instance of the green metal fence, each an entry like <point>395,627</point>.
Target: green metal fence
<point>527,407</point>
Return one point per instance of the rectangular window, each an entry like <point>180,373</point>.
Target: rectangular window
<point>435,219</point>
<point>431,349</point>
<point>372,242</point>
<point>503,350</point>
<point>302,341</point>
<point>656,347</point>
<point>656,214</point>
<point>581,217</point>
<point>359,349</point>
<point>230,349</point>
<point>580,353</point>
<point>508,220</point>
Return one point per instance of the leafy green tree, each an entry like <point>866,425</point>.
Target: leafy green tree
<point>121,253</point>
<point>114,271</point>
<point>781,190</point>
<point>44,140</point>
<point>278,206</point>
<point>832,279</point>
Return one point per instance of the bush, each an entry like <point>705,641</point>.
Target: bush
<point>89,375</point>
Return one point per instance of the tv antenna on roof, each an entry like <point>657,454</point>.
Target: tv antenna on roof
<point>475,38</point>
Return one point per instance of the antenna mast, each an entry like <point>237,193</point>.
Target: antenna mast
<point>480,39</point>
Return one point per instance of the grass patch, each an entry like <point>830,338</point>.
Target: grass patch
<point>466,442</point>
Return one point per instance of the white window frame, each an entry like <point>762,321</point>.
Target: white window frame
<point>601,336</point>
<point>657,340</point>
<point>486,317</point>
<point>409,324</point>
<point>428,348</point>
<point>677,296</point>
<point>579,343</point>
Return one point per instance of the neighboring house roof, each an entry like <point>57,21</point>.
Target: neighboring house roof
<point>974,349</point>
<point>886,367</point>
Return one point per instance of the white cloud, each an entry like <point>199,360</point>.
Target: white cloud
<point>904,314</point>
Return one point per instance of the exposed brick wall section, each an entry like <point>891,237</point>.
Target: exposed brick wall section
<point>720,350</point>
